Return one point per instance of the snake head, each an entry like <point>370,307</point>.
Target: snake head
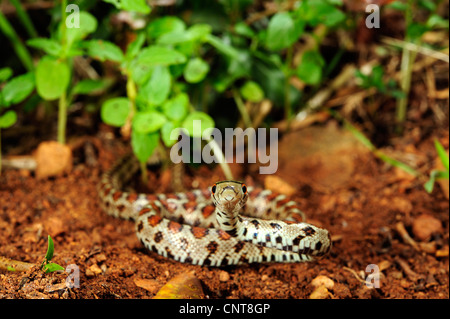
<point>229,196</point>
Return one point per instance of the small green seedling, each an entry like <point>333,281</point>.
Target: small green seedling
<point>47,266</point>
<point>437,174</point>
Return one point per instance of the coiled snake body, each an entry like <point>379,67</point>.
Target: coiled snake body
<point>205,227</point>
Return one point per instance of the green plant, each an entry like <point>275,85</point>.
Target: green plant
<point>13,92</point>
<point>46,265</point>
<point>376,80</point>
<point>438,174</point>
<point>415,29</point>
<point>158,75</point>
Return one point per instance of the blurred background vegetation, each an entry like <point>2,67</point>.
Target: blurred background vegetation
<point>149,67</point>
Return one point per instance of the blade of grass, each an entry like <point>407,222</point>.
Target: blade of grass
<point>442,154</point>
<point>24,18</point>
<point>367,143</point>
<point>21,51</point>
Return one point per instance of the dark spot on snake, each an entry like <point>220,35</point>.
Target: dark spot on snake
<point>245,232</point>
<point>117,195</point>
<point>175,227</point>
<point>232,232</point>
<point>199,232</point>
<point>207,262</point>
<point>297,240</point>
<point>309,231</point>
<point>279,239</point>
<point>255,223</point>
<point>275,226</point>
<point>268,238</point>
<point>140,226</point>
<point>212,247</point>
<point>132,197</point>
<point>283,202</point>
<point>207,211</point>
<point>158,237</point>
<point>121,208</point>
<point>144,211</point>
<point>153,220</point>
<point>188,260</point>
<point>318,245</point>
<point>238,247</point>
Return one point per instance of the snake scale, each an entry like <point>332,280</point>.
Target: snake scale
<point>205,227</point>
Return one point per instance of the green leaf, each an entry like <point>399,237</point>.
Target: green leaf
<point>165,25</point>
<point>222,47</point>
<point>252,91</point>
<point>51,267</point>
<point>442,154</point>
<point>8,119</point>
<point>436,21</point>
<point>177,107</point>
<point>140,6</point>
<point>156,55</point>
<point>50,249</point>
<point>166,131</point>
<point>148,122</point>
<point>88,24</point>
<point>415,31</point>
<point>243,29</point>
<point>115,111</point>
<point>282,31</point>
<point>52,78</point>
<point>157,89</point>
<point>103,50</point>
<point>196,70</point>
<point>17,89</point>
<point>190,124</point>
<point>310,68</point>
<point>90,86</point>
<point>5,74</point>
<point>144,144</point>
<point>316,12</point>
<point>199,32</point>
<point>135,46</point>
<point>49,46</point>
<point>172,38</point>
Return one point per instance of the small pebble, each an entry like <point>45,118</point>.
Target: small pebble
<point>322,281</point>
<point>224,276</point>
<point>320,292</point>
<point>424,226</point>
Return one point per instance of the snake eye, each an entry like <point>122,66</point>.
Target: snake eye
<point>244,188</point>
<point>213,189</point>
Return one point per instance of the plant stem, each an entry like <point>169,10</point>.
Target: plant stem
<point>241,107</point>
<point>62,104</point>
<point>408,58</point>
<point>21,51</point>
<point>144,177</point>
<point>217,151</point>
<point>62,118</point>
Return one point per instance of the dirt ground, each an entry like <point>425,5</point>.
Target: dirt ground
<point>369,207</point>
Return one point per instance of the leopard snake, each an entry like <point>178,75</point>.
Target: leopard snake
<point>204,227</point>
